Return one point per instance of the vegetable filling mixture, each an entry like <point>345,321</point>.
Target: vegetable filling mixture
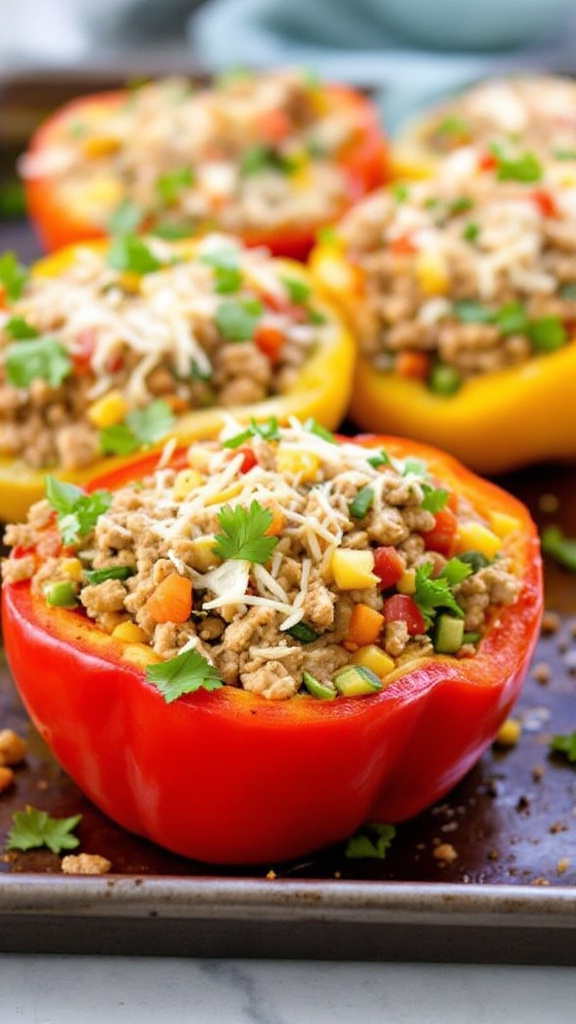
<point>275,559</point>
<point>464,274</point>
<point>540,112</point>
<point>256,151</point>
<point>100,357</point>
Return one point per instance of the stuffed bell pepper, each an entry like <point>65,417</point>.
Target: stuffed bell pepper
<point>252,647</point>
<point>109,347</point>
<point>461,293</point>
<point>535,113</point>
<point>270,157</point>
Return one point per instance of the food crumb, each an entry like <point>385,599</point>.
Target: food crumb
<point>445,852</point>
<point>538,772</point>
<point>337,874</point>
<point>540,881</point>
<point>558,826</point>
<point>548,503</point>
<point>551,623</point>
<point>509,733</point>
<point>542,672</point>
<point>13,748</point>
<point>85,864</point>
<point>494,855</point>
<point>563,865</point>
<point>6,778</point>
<point>271,876</point>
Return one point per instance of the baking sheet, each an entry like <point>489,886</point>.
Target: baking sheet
<point>509,895</point>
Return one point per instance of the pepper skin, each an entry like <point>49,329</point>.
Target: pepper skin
<point>495,423</point>
<point>228,777</point>
<point>59,222</point>
<point>321,391</point>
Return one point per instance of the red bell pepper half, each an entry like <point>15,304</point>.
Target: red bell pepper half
<point>229,777</point>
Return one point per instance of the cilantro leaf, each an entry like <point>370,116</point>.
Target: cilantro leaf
<point>298,291</point>
<point>269,430</point>
<point>432,594</point>
<point>456,570</point>
<point>547,334</point>
<point>141,427</point>
<point>237,319</point>
<point>43,358</point>
<point>565,744</point>
<point>78,512</point>
<point>470,231</point>
<point>559,547</point>
<point>32,828</point>
<point>128,253</point>
<point>434,499</point>
<point>170,184</point>
<point>512,319</point>
<point>19,328</point>
<point>225,263</point>
<point>186,673</point>
<point>244,533</point>
<point>13,276</point>
<point>372,841</point>
<point>126,218</point>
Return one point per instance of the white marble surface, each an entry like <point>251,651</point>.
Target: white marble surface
<point>126,990</point>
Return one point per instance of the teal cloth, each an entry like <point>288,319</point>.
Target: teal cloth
<point>358,41</point>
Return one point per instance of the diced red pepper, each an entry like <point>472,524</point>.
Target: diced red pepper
<point>388,565</point>
<point>403,608</point>
<point>83,352</point>
<point>402,246</point>
<point>270,340</point>
<point>545,202</point>
<point>442,536</point>
<point>249,458</point>
<point>487,162</point>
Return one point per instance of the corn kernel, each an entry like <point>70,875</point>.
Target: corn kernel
<point>129,632</point>
<point>352,569</point>
<point>140,655</point>
<point>374,658</point>
<point>503,524</point>
<point>108,410</point>
<point>188,480</point>
<point>100,145</point>
<point>407,582</point>
<point>6,778</point>
<point>201,553</point>
<point>432,273</point>
<point>130,282</point>
<point>474,536</point>
<point>72,567</point>
<point>304,465</point>
<point>509,733</point>
<point>339,275</point>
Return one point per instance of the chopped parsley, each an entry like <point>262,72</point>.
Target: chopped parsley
<point>435,498</point>
<point>129,254</point>
<point>32,828</point>
<point>225,263</point>
<point>19,329</point>
<point>78,512</point>
<point>269,430</point>
<point>13,276</point>
<point>237,319</point>
<point>111,572</point>
<point>565,744</point>
<point>126,218</point>
<point>141,427</point>
<point>470,231</point>
<point>433,594</point>
<point>558,546</point>
<point>371,842</point>
<point>526,167</point>
<point>188,672</point>
<point>298,291</point>
<point>244,533</point>
<point>43,358</point>
<point>172,183</point>
<point>512,319</point>
<point>547,334</point>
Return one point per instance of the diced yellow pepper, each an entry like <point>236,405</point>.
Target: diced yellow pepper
<point>432,273</point>
<point>352,570</point>
<point>229,492</point>
<point>407,582</point>
<point>130,282</point>
<point>304,465</point>
<point>108,410</point>
<point>374,658</point>
<point>73,568</point>
<point>474,536</point>
<point>187,480</point>
<point>129,632</point>
<point>503,524</point>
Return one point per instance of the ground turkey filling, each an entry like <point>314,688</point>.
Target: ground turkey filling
<point>539,112</point>
<point>253,153</point>
<point>104,355</point>
<point>299,556</point>
<point>470,272</point>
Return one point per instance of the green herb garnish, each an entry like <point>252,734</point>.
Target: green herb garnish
<point>244,533</point>
<point>43,358</point>
<point>225,263</point>
<point>19,329</point>
<point>303,632</point>
<point>32,828</point>
<point>129,254</point>
<point>371,842</point>
<point>110,572</point>
<point>526,168</point>
<point>186,673</point>
<point>558,546</point>
<point>259,159</point>
<point>126,218</point>
<point>565,744</point>
<point>13,276</point>
<point>471,231</point>
<point>313,427</point>
<point>269,430</point>
<point>172,183</point>
<point>78,512</point>
<point>433,594</point>
<point>237,319</point>
<point>435,498</point>
<point>141,427</point>
<point>298,291</point>
<point>547,334</point>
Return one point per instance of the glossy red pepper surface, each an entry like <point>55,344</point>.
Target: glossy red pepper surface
<point>228,777</point>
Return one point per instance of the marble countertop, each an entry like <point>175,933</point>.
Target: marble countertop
<point>126,990</point>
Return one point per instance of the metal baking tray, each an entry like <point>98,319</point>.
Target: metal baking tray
<point>508,897</point>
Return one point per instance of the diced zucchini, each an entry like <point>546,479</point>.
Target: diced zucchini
<point>317,689</point>
<point>356,681</point>
<point>449,634</point>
